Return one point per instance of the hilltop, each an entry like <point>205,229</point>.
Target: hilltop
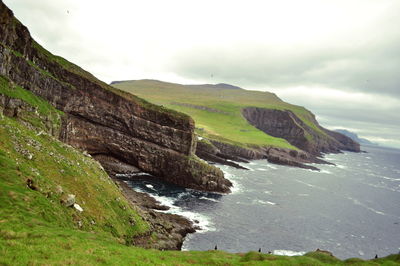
<point>245,124</point>
<point>63,133</point>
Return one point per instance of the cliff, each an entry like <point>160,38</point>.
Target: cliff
<point>243,125</point>
<point>285,124</point>
<point>115,127</point>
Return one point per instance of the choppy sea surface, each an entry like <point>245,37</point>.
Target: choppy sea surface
<point>351,209</point>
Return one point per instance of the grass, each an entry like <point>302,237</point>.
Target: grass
<point>29,157</point>
<point>72,68</point>
<point>42,116</point>
<point>37,172</point>
<point>228,124</point>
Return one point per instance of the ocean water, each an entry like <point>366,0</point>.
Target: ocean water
<point>351,209</point>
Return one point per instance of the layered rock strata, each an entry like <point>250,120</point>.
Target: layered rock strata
<point>285,124</point>
<point>107,123</point>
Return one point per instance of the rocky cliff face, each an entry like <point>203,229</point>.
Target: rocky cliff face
<point>285,124</point>
<point>109,124</point>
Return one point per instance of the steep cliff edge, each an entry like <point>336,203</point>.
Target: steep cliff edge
<point>285,124</point>
<point>243,124</point>
<point>109,124</point>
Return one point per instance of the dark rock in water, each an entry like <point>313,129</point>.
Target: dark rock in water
<point>207,151</point>
<point>273,155</point>
<point>170,229</point>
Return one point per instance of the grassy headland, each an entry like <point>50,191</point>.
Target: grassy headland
<point>216,109</point>
<point>38,172</point>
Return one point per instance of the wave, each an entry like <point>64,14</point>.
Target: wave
<point>283,252</point>
<point>388,178</point>
<point>210,199</point>
<point>380,186</point>
<point>309,185</point>
<point>264,202</point>
<point>272,167</point>
<point>150,186</point>
<point>236,187</point>
<point>200,220</point>
<point>325,172</point>
<point>356,202</point>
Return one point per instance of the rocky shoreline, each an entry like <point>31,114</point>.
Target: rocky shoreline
<point>169,230</point>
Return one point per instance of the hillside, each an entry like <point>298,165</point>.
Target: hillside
<point>257,122</point>
<point>42,223</point>
<point>58,204</point>
<point>118,129</point>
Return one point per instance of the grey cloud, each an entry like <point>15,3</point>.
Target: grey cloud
<point>369,61</point>
<point>356,69</point>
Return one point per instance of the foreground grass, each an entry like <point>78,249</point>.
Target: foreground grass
<point>227,123</point>
<point>49,246</point>
<point>37,172</point>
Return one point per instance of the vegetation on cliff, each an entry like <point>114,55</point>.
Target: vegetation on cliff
<point>114,126</point>
<point>38,173</point>
<point>57,205</point>
<point>217,111</point>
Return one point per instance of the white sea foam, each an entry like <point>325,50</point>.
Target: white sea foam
<point>210,199</point>
<point>357,202</point>
<point>309,185</point>
<point>203,221</point>
<point>389,178</point>
<point>261,169</point>
<point>268,192</point>
<point>380,186</point>
<point>326,172</point>
<point>272,167</point>
<point>236,187</point>
<point>341,166</point>
<point>263,202</point>
<point>304,195</point>
<point>150,186</point>
<point>283,252</point>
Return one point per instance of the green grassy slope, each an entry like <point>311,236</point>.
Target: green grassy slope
<point>37,172</point>
<point>227,125</point>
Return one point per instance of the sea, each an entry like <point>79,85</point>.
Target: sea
<point>351,209</point>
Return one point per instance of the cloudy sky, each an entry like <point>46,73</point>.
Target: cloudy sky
<point>338,58</point>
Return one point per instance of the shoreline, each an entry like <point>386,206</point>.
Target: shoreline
<point>168,230</point>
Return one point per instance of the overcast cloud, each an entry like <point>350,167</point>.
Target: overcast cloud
<point>338,58</point>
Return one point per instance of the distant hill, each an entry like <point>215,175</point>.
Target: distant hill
<point>355,137</point>
<point>245,123</point>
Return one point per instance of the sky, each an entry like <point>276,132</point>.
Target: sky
<point>338,58</point>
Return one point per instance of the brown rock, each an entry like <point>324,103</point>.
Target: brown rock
<point>103,120</point>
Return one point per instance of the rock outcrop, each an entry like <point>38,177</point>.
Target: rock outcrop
<point>285,124</point>
<point>297,158</point>
<point>312,142</point>
<point>109,124</point>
